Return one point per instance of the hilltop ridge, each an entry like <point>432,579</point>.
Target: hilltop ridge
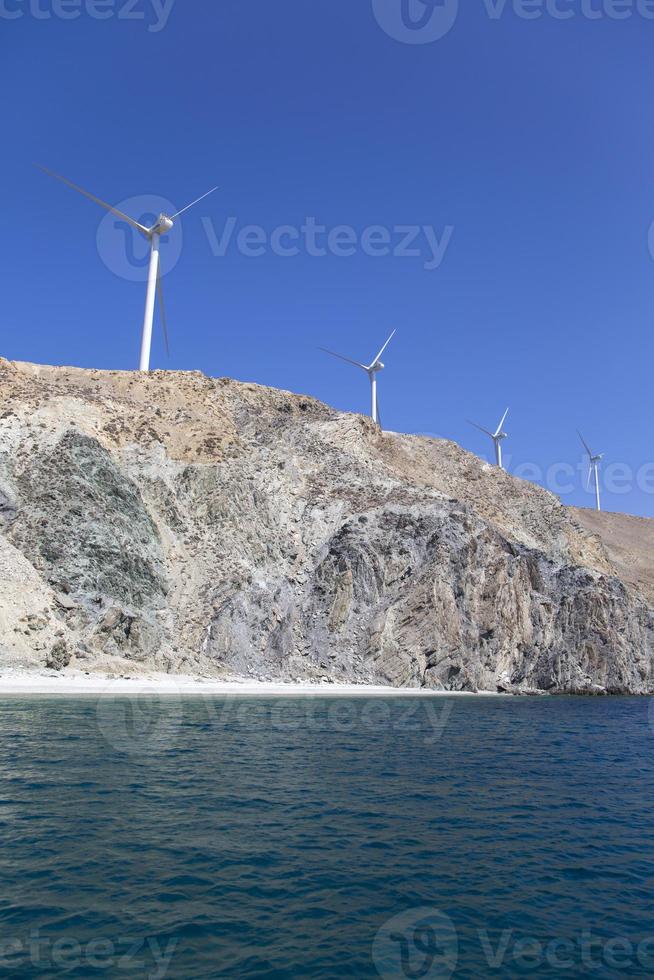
<point>177,522</point>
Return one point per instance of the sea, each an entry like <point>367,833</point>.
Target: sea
<point>301,837</point>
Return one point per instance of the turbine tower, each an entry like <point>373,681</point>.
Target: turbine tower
<point>161,227</point>
<point>595,459</point>
<point>498,437</point>
<point>372,370</point>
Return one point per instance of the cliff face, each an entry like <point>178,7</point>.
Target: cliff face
<point>181,523</point>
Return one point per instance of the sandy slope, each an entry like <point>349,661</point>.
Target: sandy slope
<point>629,542</point>
<point>188,525</point>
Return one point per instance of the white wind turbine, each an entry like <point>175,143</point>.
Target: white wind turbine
<point>372,370</point>
<point>594,459</point>
<point>153,234</point>
<point>498,437</point>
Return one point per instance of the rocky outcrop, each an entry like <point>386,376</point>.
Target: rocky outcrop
<point>181,523</point>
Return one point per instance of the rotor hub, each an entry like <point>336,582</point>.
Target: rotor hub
<point>164,224</point>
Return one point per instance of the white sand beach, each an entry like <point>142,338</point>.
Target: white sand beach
<point>22,682</point>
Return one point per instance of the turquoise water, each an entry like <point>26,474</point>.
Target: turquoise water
<point>466,837</point>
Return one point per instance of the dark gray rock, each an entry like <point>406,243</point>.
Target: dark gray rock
<point>182,523</point>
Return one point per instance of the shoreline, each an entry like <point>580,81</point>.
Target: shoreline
<point>25,683</point>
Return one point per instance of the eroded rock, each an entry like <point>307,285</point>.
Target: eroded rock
<point>182,523</point>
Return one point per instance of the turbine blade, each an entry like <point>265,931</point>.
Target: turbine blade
<point>92,197</point>
<point>383,348</point>
<point>590,473</point>
<point>584,443</point>
<point>482,429</point>
<point>343,358</point>
<point>379,421</point>
<point>193,203</point>
<point>499,428</point>
<point>162,308</point>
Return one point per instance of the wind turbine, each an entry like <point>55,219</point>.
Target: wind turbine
<point>498,436</point>
<point>595,459</point>
<point>372,370</point>
<point>161,227</point>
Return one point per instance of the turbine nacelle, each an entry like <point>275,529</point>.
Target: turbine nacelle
<point>498,436</point>
<point>372,370</point>
<point>163,225</point>
<point>593,469</point>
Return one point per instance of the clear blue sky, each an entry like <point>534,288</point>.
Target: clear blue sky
<point>532,139</point>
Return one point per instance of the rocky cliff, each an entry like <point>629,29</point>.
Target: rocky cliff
<point>188,524</point>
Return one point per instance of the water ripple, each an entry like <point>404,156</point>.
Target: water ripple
<point>277,841</point>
